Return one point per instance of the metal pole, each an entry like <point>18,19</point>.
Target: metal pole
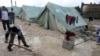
<point>15,4</point>
<point>11,3</point>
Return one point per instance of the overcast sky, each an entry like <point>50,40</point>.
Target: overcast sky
<point>41,3</point>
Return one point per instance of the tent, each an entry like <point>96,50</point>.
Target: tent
<point>16,10</point>
<point>53,17</point>
<point>29,13</point>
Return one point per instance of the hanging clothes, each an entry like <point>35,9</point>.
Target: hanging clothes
<point>77,19</point>
<point>68,19</point>
<point>72,21</point>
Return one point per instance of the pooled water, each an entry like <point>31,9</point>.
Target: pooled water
<point>36,43</point>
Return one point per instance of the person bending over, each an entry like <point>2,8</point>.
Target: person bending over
<point>13,31</point>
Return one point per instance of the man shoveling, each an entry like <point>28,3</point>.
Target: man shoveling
<point>13,31</point>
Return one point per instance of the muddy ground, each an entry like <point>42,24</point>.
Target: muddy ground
<point>46,42</point>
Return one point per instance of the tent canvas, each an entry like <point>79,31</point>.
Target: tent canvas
<point>53,17</point>
<point>29,13</point>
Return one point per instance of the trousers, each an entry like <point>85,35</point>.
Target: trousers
<point>12,36</point>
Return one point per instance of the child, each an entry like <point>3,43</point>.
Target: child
<point>68,35</point>
<point>69,40</point>
<point>13,31</point>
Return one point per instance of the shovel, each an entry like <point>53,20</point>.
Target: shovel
<point>22,47</point>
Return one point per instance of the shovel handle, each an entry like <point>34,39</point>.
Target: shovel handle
<point>22,47</point>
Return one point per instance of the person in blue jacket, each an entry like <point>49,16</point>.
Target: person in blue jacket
<point>98,38</point>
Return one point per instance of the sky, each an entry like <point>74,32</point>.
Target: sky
<point>41,3</point>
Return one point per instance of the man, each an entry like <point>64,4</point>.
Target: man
<point>5,19</point>
<point>13,31</point>
<point>12,16</point>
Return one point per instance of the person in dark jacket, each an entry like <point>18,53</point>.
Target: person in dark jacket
<point>91,18</point>
<point>13,31</point>
<point>11,16</point>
